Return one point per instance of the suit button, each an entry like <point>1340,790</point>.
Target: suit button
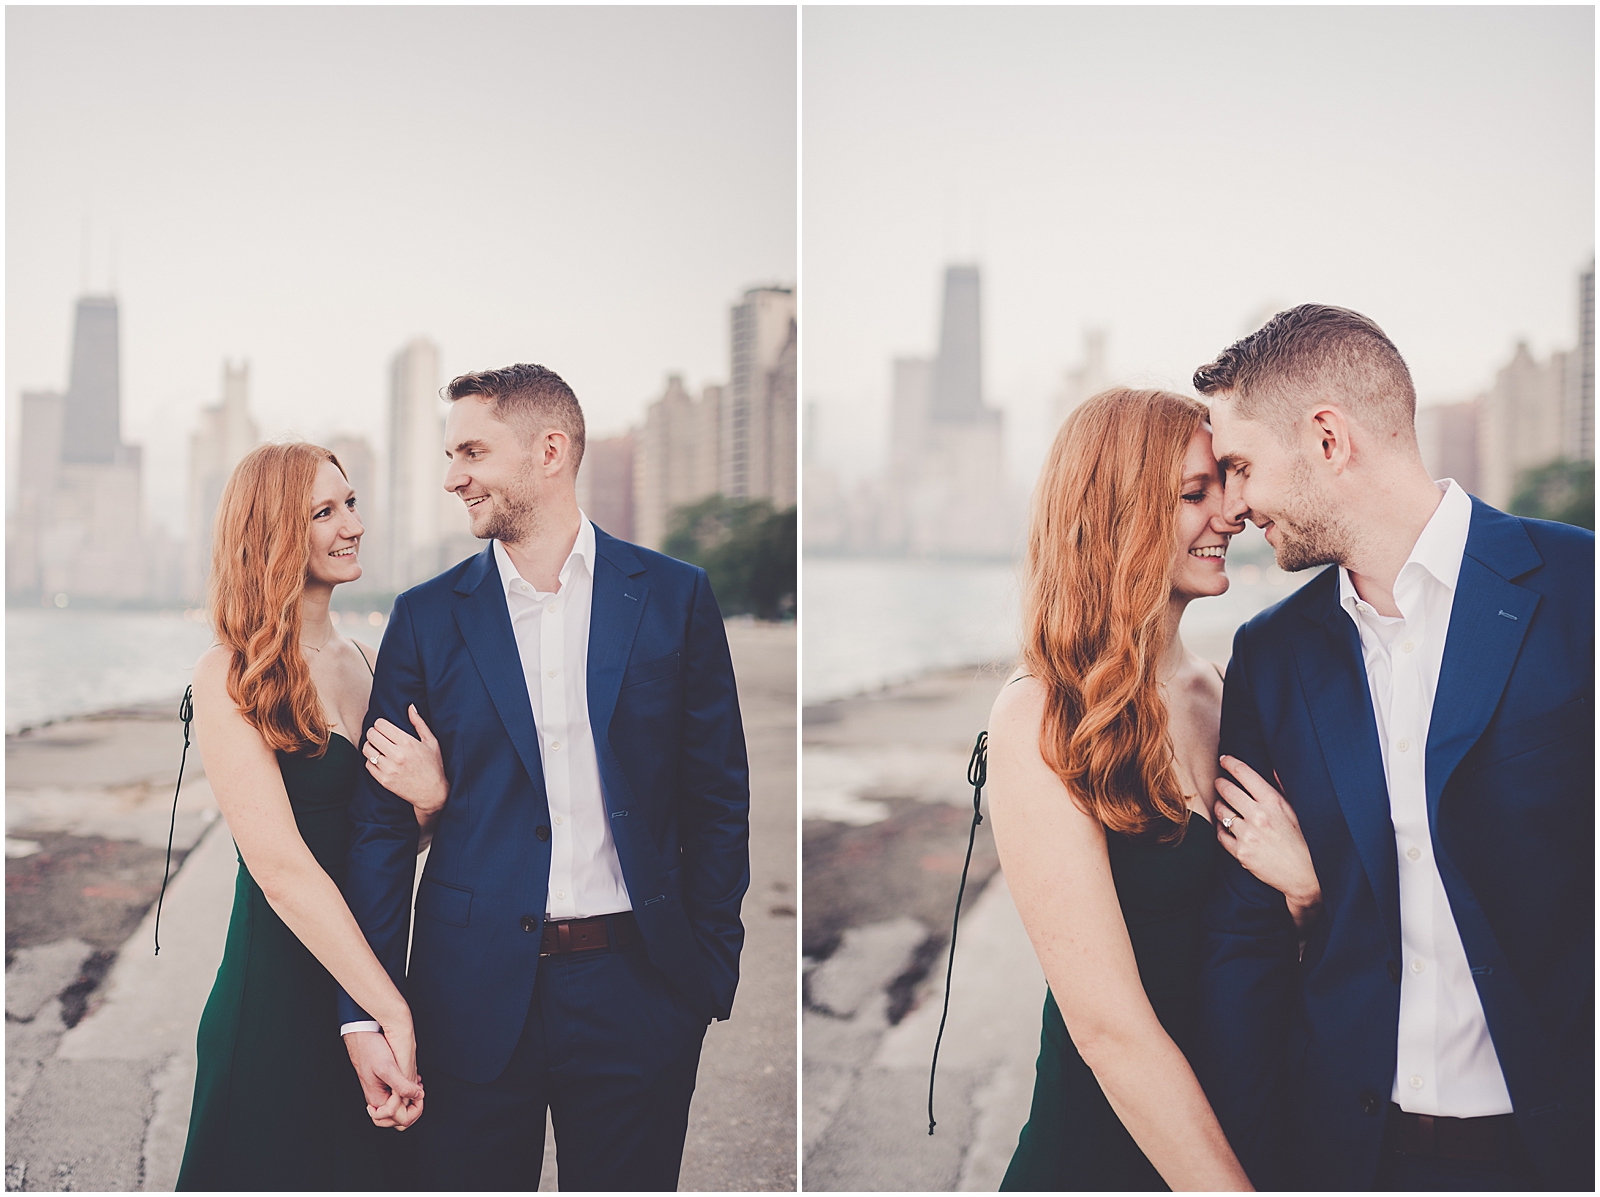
<point>1369,1102</point>
<point>1394,972</point>
<point>529,923</point>
<point>542,832</point>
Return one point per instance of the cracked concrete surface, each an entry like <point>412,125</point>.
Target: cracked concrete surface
<point>884,849</point>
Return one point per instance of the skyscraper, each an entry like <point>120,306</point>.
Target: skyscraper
<point>93,416</point>
<point>79,528</point>
<point>948,494</point>
<point>416,464</point>
<point>1578,422</point>
<point>225,433</point>
<point>674,458</point>
<point>958,370</point>
<point>761,329</point>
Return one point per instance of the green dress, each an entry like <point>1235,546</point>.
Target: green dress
<point>276,1102</point>
<point>1073,1140</point>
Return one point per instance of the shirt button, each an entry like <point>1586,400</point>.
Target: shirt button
<point>1407,647</point>
<point>1411,853</point>
<point>555,745</point>
<point>552,673</point>
<point>1416,1082</point>
<point>561,893</point>
<point>1403,745</point>
<point>554,607</point>
<point>1417,966</point>
<point>558,820</point>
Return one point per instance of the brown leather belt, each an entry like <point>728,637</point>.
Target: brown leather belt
<point>1476,1140</point>
<point>589,935</point>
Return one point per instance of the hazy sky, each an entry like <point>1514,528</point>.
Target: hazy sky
<point>308,188</point>
<point>1166,173</point>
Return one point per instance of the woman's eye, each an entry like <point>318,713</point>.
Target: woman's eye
<point>1194,497</point>
<point>323,512</point>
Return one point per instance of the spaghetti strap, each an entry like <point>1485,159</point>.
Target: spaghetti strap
<point>363,652</point>
<point>1019,677</point>
<point>1220,674</point>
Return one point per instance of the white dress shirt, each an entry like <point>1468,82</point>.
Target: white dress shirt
<point>1446,1064</point>
<point>552,633</point>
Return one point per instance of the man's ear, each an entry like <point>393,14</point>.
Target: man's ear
<point>555,448</point>
<point>1333,432</point>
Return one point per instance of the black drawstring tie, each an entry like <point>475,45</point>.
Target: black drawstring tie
<point>977,775</point>
<point>185,713</point>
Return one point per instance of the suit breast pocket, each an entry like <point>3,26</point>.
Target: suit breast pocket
<point>651,671</point>
<point>444,903</point>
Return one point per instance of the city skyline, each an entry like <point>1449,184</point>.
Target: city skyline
<point>311,232</point>
<point>1170,176</point>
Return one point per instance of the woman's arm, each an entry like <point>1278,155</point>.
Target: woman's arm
<point>1056,865</point>
<point>248,786</point>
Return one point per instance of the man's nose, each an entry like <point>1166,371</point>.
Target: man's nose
<point>454,478</point>
<point>1234,509</point>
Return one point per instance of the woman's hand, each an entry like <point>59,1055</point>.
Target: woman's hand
<point>1265,838</point>
<point>409,766</point>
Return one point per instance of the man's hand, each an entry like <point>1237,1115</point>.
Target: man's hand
<point>392,1088</point>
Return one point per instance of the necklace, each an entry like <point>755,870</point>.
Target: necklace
<point>318,648</point>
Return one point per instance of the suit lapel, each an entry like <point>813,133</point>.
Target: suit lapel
<point>1333,678</point>
<point>618,604</point>
<point>1489,618</point>
<point>485,622</point>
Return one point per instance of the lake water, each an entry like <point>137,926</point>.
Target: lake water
<point>65,663</point>
<point>870,623</point>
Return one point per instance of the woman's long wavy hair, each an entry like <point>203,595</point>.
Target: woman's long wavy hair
<point>260,549</point>
<point>1097,579</point>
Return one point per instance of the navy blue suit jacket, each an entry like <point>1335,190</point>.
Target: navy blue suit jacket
<point>670,744</point>
<point>1299,1061</point>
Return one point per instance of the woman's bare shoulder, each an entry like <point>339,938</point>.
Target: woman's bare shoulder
<point>1019,705</point>
<point>211,670</point>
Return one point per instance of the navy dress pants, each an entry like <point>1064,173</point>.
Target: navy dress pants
<point>611,1049</point>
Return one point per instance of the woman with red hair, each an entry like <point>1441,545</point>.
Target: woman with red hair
<point>279,702</point>
<point>1102,770</point>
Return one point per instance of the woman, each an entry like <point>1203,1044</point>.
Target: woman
<point>279,703</point>
<point>1102,763</point>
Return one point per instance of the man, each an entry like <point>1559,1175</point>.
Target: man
<point>578,918</point>
<point>1428,709</point>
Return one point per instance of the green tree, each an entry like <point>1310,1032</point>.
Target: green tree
<point>746,548</point>
<point>1560,490</point>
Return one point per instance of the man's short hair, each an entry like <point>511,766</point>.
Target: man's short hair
<point>528,397</point>
<point>1309,351</point>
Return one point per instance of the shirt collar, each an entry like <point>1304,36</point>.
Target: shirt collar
<point>583,549</point>
<point>1438,550</point>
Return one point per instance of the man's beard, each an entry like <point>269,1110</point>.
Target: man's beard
<point>514,515</point>
<point>1307,535</point>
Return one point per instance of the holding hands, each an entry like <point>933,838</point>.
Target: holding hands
<point>386,1062</point>
<point>410,767</point>
<point>1259,830</point>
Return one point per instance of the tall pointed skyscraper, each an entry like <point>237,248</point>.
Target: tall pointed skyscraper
<point>79,530</point>
<point>93,414</point>
<point>958,370</point>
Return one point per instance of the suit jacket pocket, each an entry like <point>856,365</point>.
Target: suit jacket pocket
<point>444,903</point>
<point>1527,733</point>
<point>650,671</point>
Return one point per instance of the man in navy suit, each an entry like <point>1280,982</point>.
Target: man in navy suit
<point>1427,706</point>
<point>577,924</point>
